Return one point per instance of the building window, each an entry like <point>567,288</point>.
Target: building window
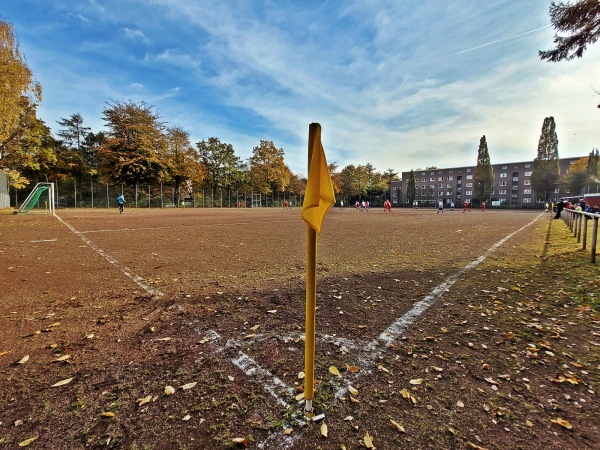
<point>527,166</point>
<point>502,191</point>
<point>439,171</point>
<point>526,200</point>
<point>528,174</point>
<point>469,177</point>
<point>469,185</point>
<point>503,175</point>
<point>504,167</point>
<point>469,193</point>
<point>449,193</point>
<point>448,186</point>
<point>468,170</point>
<point>440,178</point>
<point>502,183</point>
<point>527,182</point>
<point>423,187</point>
<point>527,191</point>
<point>450,178</point>
<point>440,186</point>
<point>423,180</point>
<point>557,191</point>
<point>432,179</point>
<point>451,171</point>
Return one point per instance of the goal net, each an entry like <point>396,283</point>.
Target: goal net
<point>256,200</point>
<point>39,200</point>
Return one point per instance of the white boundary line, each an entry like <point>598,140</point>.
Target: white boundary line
<point>125,270</point>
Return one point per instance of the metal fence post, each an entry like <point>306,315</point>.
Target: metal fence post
<point>585,223</point>
<point>594,238</point>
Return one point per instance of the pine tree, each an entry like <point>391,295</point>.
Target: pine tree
<point>593,170</point>
<point>411,189</point>
<point>546,170</point>
<point>581,22</point>
<point>482,181</point>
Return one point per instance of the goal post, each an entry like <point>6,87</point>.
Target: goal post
<point>39,200</point>
<point>256,200</point>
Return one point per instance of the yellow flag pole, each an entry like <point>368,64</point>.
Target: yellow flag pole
<point>311,295</point>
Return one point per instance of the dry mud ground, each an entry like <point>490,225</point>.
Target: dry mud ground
<point>447,331</point>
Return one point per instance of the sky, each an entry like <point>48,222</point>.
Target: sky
<point>400,84</point>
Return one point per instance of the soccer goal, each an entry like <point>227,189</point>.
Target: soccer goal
<point>256,200</point>
<point>39,200</point>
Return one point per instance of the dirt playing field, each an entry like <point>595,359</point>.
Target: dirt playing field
<point>461,330</point>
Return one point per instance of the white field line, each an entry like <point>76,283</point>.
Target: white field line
<point>135,278</point>
<point>402,323</point>
<point>195,225</point>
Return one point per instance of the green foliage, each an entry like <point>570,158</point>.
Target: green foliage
<point>545,174</point>
<point>222,166</point>
<point>483,176</point>
<point>411,189</point>
<point>581,22</point>
<point>135,147</point>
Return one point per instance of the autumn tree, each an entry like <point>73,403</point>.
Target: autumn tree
<point>222,166</point>
<point>135,145</point>
<point>411,188</point>
<point>483,176</point>
<point>268,169</point>
<point>580,22</point>
<point>546,169</point>
<point>576,179</point>
<point>593,170</point>
<point>20,93</point>
<point>180,159</point>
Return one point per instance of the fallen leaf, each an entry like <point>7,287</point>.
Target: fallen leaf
<point>287,431</point>
<point>380,367</point>
<point>272,311</point>
<point>89,336</point>
<point>352,369</point>
<point>186,417</point>
<point>368,440</point>
<point>437,369</point>
<point>62,382</point>
<point>169,390</point>
<point>352,390</point>
<point>300,396</point>
<point>189,385</point>
<point>475,446</point>
<point>242,441</point>
<point>62,358</point>
<point>164,339</point>
<point>354,400</point>
<point>528,423</point>
<point>562,423</point>
<point>334,370</point>
<point>324,429</point>
<point>250,336</point>
<point>108,414</point>
<point>230,378</point>
<point>460,404</point>
<point>143,401</point>
<point>5,353</point>
<point>255,327</point>
<point>26,442</point>
<point>23,360</point>
<point>301,375</point>
<point>397,426</point>
<point>416,381</point>
<point>490,380</point>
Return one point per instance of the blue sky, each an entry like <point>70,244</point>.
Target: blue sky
<point>398,84</point>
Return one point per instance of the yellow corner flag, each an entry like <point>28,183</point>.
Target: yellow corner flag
<point>319,196</point>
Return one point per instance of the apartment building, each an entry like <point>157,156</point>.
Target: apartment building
<point>511,185</point>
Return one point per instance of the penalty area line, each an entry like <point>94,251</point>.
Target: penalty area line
<point>135,278</point>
